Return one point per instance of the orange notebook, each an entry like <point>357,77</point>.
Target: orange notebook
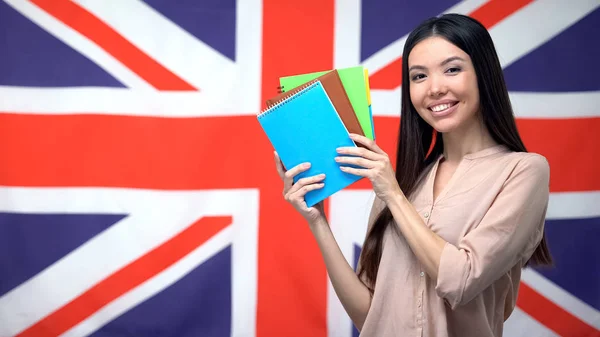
<point>337,94</point>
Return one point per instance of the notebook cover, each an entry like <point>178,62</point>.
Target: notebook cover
<point>354,82</point>
<point>335,90</point>
<point>369,102</point>
<point>306,128</point>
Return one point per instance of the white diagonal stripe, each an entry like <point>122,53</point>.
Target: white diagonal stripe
<point>153,217</point>
<point>535,24</point>
<point>562,298</point>
<point>80,44</point>
<point>152,286</point>
<point>393,51</point>
<point>514,37</point>
<point>167,43</point>
<point>521,324</point>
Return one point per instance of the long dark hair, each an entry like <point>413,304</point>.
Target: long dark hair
<point>416,135</point>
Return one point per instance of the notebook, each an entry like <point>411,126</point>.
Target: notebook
<point>369,102</point>
<point>353,79</point>
<point>305,127</point>
<point>335,90</point>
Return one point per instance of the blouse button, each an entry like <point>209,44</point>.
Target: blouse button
<point>422,274</point>
<point>426,215</point>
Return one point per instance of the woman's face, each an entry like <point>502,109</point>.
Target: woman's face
<point>443,85</point>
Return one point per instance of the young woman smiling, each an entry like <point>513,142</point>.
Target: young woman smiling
<point>464,211</point>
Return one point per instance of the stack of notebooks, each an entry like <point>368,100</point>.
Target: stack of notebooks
<point>312,116</point>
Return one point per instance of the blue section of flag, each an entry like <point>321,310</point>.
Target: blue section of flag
<point>33,57</point>
<point>31,242</point>
<point>203,19</point>
<point>577,257</point>
<point>565,63</point>
<point>199,304</point>
<point>384,21</point>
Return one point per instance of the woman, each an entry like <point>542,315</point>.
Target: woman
<point>451,229</point>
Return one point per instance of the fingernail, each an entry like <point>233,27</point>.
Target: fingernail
<point>306,165</point>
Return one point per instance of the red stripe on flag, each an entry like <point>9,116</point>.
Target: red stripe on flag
<point>572,158</point>
<point>489,14</point>
<point>127,151</point>
<point>180,153</point>
<point>127,278</point>
<point>495,11</point>
<point>571,150</point>
<point>292,279</point>
<point>78,18</point>
<point>551,315</point>
<point>388,77</point>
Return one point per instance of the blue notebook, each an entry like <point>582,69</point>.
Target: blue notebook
<point>305,127</point>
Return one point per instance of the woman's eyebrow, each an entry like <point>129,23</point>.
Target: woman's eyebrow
<point>446,61</point>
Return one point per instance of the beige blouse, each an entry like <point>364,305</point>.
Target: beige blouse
<point>491,213</point>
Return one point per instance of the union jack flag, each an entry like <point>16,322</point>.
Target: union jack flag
<point>138,195</point>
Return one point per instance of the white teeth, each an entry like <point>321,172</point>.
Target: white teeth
<point>440,107</point>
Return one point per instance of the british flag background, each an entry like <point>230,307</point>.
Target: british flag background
<point>138,195</point>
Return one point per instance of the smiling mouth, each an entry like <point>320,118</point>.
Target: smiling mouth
<point>442,107</point>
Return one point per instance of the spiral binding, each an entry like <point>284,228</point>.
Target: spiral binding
<point>302,89</point>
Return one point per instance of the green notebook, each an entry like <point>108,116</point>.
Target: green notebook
<point>353,79</point>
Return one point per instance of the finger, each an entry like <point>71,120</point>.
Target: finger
<point>279,165</point>
<point>289,175</point>
<point>360,152</point>
<point>307,181</point>
<point>369,143</point>
<point>355,171</point>
<point>299,194</point>
<point>294,171</point>
<point>358,161</point>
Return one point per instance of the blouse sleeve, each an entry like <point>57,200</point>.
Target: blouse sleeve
<point>508,233</point>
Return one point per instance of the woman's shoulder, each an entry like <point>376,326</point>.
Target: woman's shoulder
<point>529,162</point>
<point>519,170</point>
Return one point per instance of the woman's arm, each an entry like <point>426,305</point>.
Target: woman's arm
<point>508,233</point>
<point>425,244</point>
<point>353,294</point>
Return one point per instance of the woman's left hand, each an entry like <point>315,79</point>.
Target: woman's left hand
<point>376,166</point>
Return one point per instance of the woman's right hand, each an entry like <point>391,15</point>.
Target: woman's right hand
<point>294,193</point>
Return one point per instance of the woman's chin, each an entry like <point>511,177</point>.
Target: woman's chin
<point>444,127</point>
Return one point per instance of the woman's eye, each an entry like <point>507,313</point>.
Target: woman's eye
<point>453,70</point>
<point>418,77</point>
